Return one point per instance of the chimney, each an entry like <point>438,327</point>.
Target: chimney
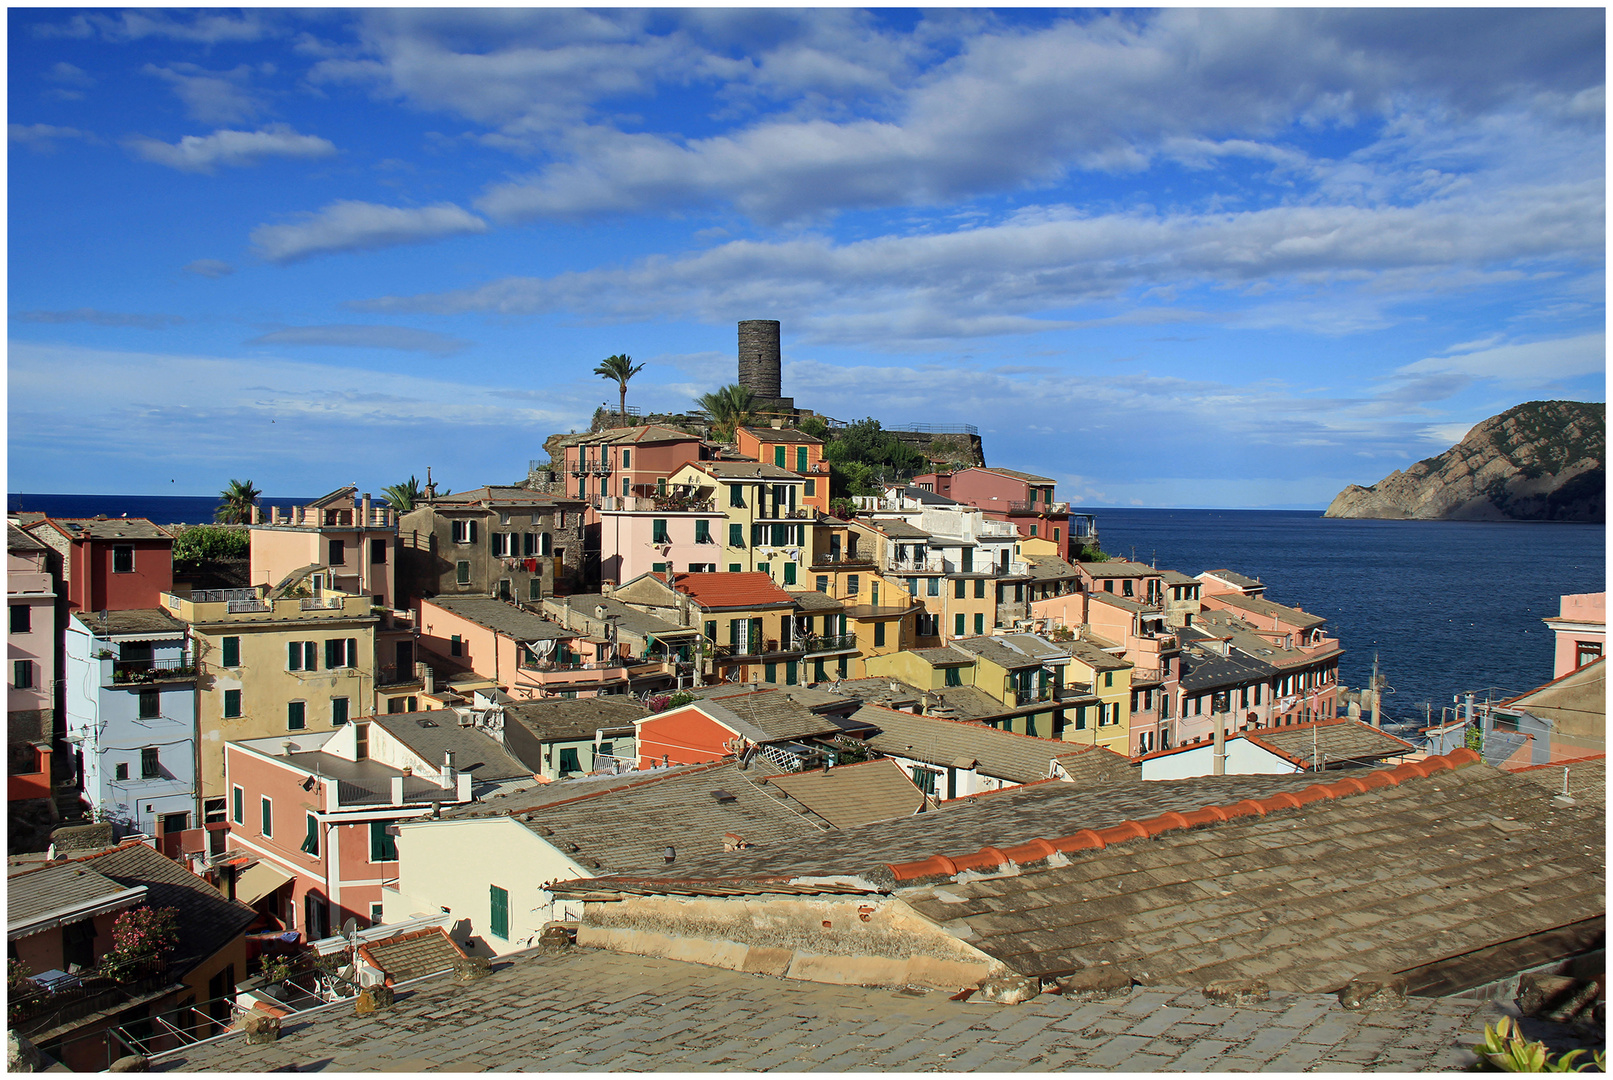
<point>428,678</point>
<point>777,424</point>
<point>257,514</point>
<point>450,775</point>
<point>365,523</point>
<point>607,588</point>
<point>274,514</point>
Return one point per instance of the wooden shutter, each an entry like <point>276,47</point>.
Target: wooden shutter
<point>310,656</point>
<point>499,920</point>
<point>330,654</point>
<point>352,652</point>
<point>232,652</point>
<point>293,656</point>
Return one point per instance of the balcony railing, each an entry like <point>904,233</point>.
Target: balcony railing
<point>930,564</point>
<point>143,671</point>
<point>529,664</point>
<point>105,986</point>
<point>221,596</point>
<point>245,607</point>
<point>319,603</point>
<point>838,558</point>
<point>1054,509</point>
<point>813,643</point>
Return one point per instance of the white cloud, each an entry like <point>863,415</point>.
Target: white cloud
<point>349,225</point>
<point>204,153</point>
<point>69,75</point>
<point>212,97</point>
<point>97,318</point>
<point>43,136</point>
<point>1530,363</point>
<point>209,268</point>
<point>348,336</point>
<point>206,28</point>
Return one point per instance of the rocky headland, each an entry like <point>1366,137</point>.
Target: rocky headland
<point>1539,461</point>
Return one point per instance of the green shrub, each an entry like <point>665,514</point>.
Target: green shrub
<point>204,543</point>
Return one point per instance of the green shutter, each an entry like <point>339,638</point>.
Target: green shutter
<point>879,634</point>
<point>330,654</point>
<point>789,573</point>
<point>338,711</point>
<point>352,652</point>
<point>733,632</point>
<point>736,535</point>
<point>383,846</point>
<point>800,459</point>
<point>791,673</point>
<point>310,656</point>
<point>711,629</point>
<point>778,456</point>
<point>499,920</point>
<point>293,656</point>
<point>296,717</point>
<point>240,807</point>
<point>770,673</point>
<point>472,531</point>
<point>957,624</point>
<point>980,624</point>
<point>310,842</point>
<point>658,529</point>
<point>231,648</point>
<point>232,704</point>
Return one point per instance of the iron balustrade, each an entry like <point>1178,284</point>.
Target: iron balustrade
<point>827,642</point>
<point>132,671</point>
<point>220,596</point>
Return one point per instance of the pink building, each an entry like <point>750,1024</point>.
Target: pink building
<point>677,532</point>
<point>352,538</point>
<point>1025,500</point>
<point>626,461</point>
<point>314,809</point>
<point>1581,629</point>
<point>30,667</point>
<point>524,654</point>
<point>109,564</point>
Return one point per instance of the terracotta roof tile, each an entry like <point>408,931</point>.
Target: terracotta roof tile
<point>725,590</point>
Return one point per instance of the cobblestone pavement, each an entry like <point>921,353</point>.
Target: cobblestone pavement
<point>585,1010</point>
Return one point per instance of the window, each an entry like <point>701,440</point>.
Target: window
<point>736,495</point>
<point>1033,527</point>
<point>375,914</point>
<point>853,584</point>
<point>711,629</point>
<point>498,922</point>
<point>230,652</point>
<point>1126,587</point>
<point>462,573</point>
<point>341,653</point>
<point>789,573</point>
<point>980,624</point>
<point>150,766</point>
<point>934,588</point>
<point>954,676</point>
<point>764,568</point>
<point>1019,592</point>
<point>123,559</point>
<point>504,589</point>
<point>383,845</point>
<point>296,715</point>
<point>736,535</point>
<point>238,805</point>
<point>150,704</point>
<point>534,588</point>
<point>338,552</point>
<point>968,560</point>
<point>310,840</point>
<point>456,647</point>
<point>22,674</point>
<point>1165,705</point>
<point>1585,652</point>
<point>232,704</point>
<point>1109,586</point>
<point>702,532</point>
<point>778,455</point>
<point>1108,678</point>
<point>823,583</point>
<point>378,552</point>
<point>770,673</point>
<point>213,811</point>
<point>957,624</point>
<point>735,568</point>
<point>1257,691</point>
<point>658,531</point>
<point>800,459</point>
<point>960,589</point>
<point>925,779</point>
<point>627,458</point>
<point>301,656</point>
<point>1055,536</point>
<point>120,771</point>
<point>338,711</point>
<point>21,618</point>
<point>503,545</point>
<point>266,816</point>
<point>980,588</point>
<point>658,567</point>
<point>465,531</point>
<point>811,488</point>
<point>879,634</point>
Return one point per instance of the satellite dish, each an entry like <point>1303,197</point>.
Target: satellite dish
<point>350,928</point>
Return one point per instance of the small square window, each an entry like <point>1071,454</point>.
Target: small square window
<point>462,572</point>
<point>150,704</point>
<point>22,674</point>
<point>120,771</point>
<point>338,552</point>
<point>123,559</point>
<point>21,618</point>
<point>296,715</point>
<point>232,704</point>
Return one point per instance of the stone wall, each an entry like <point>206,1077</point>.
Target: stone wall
<point>760,358</point>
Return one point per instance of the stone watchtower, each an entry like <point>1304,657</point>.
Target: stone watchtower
<point>760,361</point>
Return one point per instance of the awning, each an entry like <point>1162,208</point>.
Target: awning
<point>259,881</point>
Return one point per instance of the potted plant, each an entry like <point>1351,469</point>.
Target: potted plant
<point>140,938</point>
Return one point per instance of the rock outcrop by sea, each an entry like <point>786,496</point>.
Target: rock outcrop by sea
<point>1539,461</point>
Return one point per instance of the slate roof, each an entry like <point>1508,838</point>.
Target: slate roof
<point>1050,568</point>
<point>926,498</point>
<point>503,617</point>
<point>32,894</point>
<point>110,528</point>
<point>1294,617</point>
<point>70,840</point>
<point>207,920</point>
<point>954,702</point>
<point>1029,478</point>
<point>553,719</point>
<point>755,471</point>
<point>850,795</point>
<point>1002,754</point>
<point>135,621</point>
<point>724,590</point>
<point>816,601</point>
<point>1176,577</point>
<point>770,715</point>
<point>1213,623</point>
<point>818,699</point>
<point>17,540</point>
<point>497,495</point>
<point>430,734</point>
<point>1094,657</point>
<point>1587,778</point>
<point>628,828</point>
<point>627,618</point>
<point>410,956</point>
<point>1118,568</point>
<point>1201,671</point>
<point>945,656</point>
<point>1338,739</point>
<point>1124,603</point>
<point>787,434</point>
<point>895,528</point>
<point>1013,651</point>
<point>643,433</point>
<point>1233,578</point>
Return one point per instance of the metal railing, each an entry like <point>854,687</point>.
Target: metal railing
<point>320,603</point>
<point>936,429</point>
<point>835,558</point>
<point>1018,506</point>
<point>97,989</point>
<point>133,671</point>
<point>529,663</point>
<point>220,596</point>
<point>241,607</point>
<point>827,642</point>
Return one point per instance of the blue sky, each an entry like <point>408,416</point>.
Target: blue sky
<point>1178,258</point>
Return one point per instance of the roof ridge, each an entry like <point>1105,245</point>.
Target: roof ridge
<point>1039,849</point>
<point>692,771</point>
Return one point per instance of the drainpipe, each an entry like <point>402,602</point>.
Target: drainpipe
<point>1220,744</point>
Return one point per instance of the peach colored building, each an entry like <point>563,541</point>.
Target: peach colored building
<point>679,532</point>
<point>1581,629</point>
<point>791,449</point>
<point>524,654</point>
<point>352,539</point>
<point>626,461</point>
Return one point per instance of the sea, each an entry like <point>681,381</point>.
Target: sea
<point>1446,607</point>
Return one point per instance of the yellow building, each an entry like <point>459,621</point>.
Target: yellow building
<point>272,664</point>
<point>878,611</point>
<point>926,669</point>
<point>1108,721</point>
<point>766,520</point>
<point>1023,671</point>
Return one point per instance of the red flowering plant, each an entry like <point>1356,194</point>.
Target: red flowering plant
<point>139,935</point>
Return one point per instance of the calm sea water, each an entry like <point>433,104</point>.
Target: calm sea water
<point>1448,606</point>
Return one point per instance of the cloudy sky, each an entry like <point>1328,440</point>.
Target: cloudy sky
<point>1179,258</point>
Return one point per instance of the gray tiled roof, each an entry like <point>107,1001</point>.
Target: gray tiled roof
<point>815,601</point>
<point>207,920</point>
<point>895,528</point>
<point>1013,651</point>
<point>431,734</point>
<point>1176,577</point>
<point>952,702</point>
<point>503,617</point>
<point>558,718</point>
<point>1388,880</point>
<point>771,715</point>
<point>134,621</point>
<point>1029,478</point>
<point>1118,568</point>
<point>927,498</point>
<point>1001,754</point>
<point>1233,578</point>
<point>850,795</point>
<point>70,840</point>
<point>1095,658</point>
<point>629,828</point>
<point>113,528</point>
<point>785,434</point>
<point>497,495</point>
<point>17,540</point>
<point>747,470</point>
<point>945,656</point>
<point>1303,620</point>
<point>1334,741</point>
<point>1204,671</point>
<point>1124,603</point>
<point>627,618</point>
<point>1259,647</point>
<point>1050,568</point>
<point>34,893</point>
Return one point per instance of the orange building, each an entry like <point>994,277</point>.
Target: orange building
<point>791,449</point>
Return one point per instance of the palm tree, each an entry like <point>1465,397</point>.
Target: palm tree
<point>620,368</point>
<point>236,509</point>
<point>728,407</point>
<point>402,497</point>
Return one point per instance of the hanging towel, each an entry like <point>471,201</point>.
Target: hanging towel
<point>531,566</point>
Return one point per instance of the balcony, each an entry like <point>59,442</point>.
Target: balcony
<point>842,558</point>
<point>1056,509</point>
<point>148,671</point>
<point>753,650</point>
<point>222,596</point>
<point>930,564</point>
<point>108,985</point>
<point>824,643</point>
<point>659,504</point>
<point>783,513</point>
<point>600,468</point>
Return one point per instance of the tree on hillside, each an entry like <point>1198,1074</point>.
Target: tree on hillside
<point>207,543</point>
<point>862,456</point>
<point>236,509</point>
<point>728,408</point>
<point>402,497</point>
<point>619,368</point>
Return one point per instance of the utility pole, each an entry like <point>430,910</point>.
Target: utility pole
<point>1375,694</point>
